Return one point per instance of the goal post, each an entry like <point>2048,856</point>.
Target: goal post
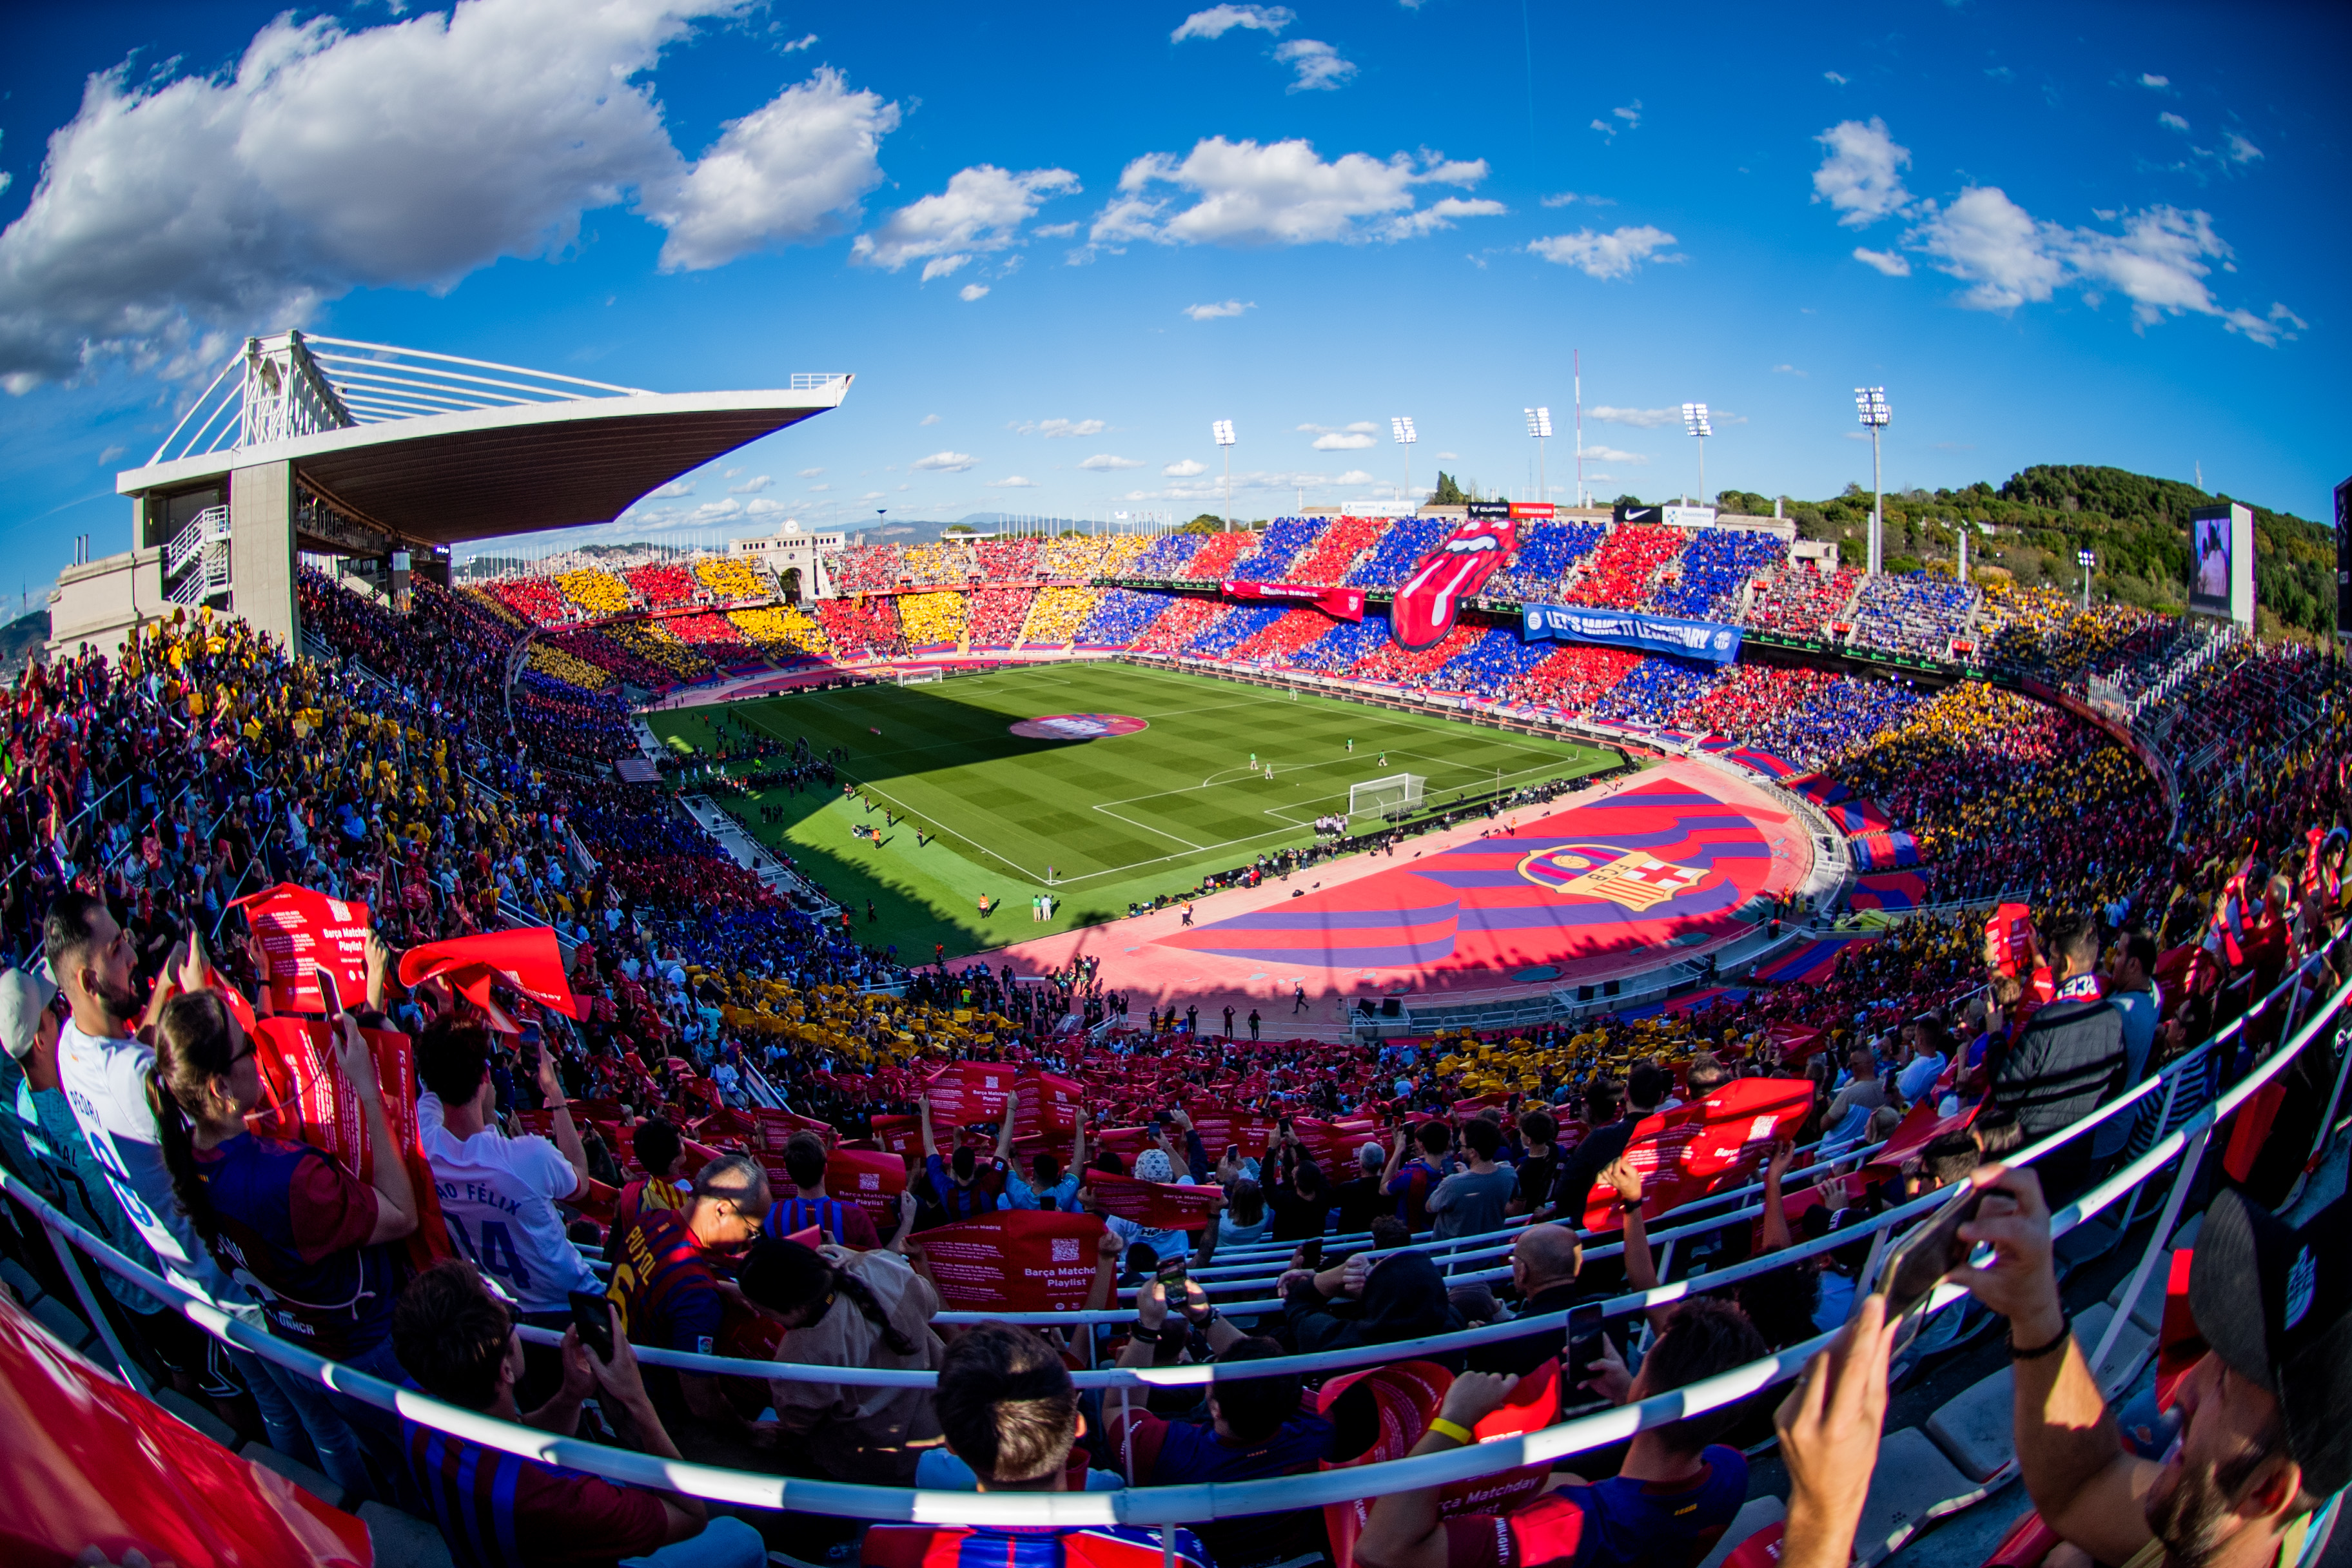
<point>920,675</point>
<point>1391,798</point>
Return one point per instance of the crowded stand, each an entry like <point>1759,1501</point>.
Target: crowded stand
<point>666,585</point>
<point>557,662</point>
<point>1284,538</point>
<point>535,599</point>
<point>787,635</point>
<point>1166,555</point>
<point>1334,551</point>
<point>1121,616</point>
<point>655,644</point>
<point>1339,649</point>
<point>711,634</point>
<point>599,594</point>
<point>1621,570</point>
<point>1184,619</point>
<point>930,620</point>
<point>1808,716</point>
<point>1715,564</point>
<point>1056,614</point>
<point>1238,625</point>
<point>997,615</point>
<point>1122,557</point>
<point>1010,560</point>
<point>1213,561</point>
<point>1573,678</point>
<point>732,578</point>
<point>866,569</point>
<point>860,627</point>
<point>1916,613</point>
<point>1397,549</point>
<point>1492,666</point>
<point>595,646</point>
<point>1547,551</point>
<point>1210,1205</point>
<point>1802,599</point>
<point>1277,641</point>
<point>1391,661</point>
<point>1072,557</point>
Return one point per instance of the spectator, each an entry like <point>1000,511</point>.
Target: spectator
<point>1471,1201</point>
<point>1051,1187</point>
<point>667,1289</point>
<point>496,1509</point>
<point>1930,1052</point>
<point>1537,1172</point>
<point>1645,1085</point>
<point>1361,1199</point>
<point>2131,991</point>
<point>1152,1165</point>
<point>1671,1501</point>
<point>1245,1218</point>
<point>665,1184</point>
<point>958,1193</point>
<point>1848,1117</point>
<point>861,1311</point>
<point>810,1206</point>
<point>1409,1181</point>
<point>499,1195</point>
<point>1544,1261</point>
<point>1301,1203</point>
<point>1007,1409</point>
<point>2067,1061</point>
<point>1398,1297</point>
<point>287,1217</point>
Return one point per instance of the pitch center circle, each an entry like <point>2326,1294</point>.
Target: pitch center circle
<point>1078,726</point>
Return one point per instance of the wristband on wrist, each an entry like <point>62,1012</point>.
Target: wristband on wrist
<point>1454,1429</point>
<point>1140,1331</point>
<point>2065,1336</point>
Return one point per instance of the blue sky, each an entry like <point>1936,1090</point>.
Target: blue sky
<point>1056,242</point>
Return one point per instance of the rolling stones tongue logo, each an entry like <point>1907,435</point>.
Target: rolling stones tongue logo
<point>1428,601</point>
<point>1637,881</point>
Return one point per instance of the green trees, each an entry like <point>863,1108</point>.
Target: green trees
<point>1207,522</point>
<point>1447,493</point>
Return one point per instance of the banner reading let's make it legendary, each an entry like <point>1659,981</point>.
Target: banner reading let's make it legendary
<point>1021,1260</point>
<point>1697,1149</point>
<point>1341,604</point>
<point>1710,640</point>
<point>1428,600</point>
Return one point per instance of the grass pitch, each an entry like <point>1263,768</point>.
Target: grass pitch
<point>1117,819</point>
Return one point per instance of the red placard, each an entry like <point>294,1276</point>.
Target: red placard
<point>300,931</point>
<point>1019,1260</point>
<point>529,959</point>
<point>1407,1396</point>
<point>307,1099</point>
<point>899,1134</point>
<point>963,1092</point>
<point>770,1129</point>
<point>1918,1129</point>
<point>1689,1152</point>
<point>1161,1205</point>
<point>872,1179</point>
<point>1050,1104</point>
<point>2009,940</point>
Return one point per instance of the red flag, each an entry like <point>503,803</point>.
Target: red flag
<point>1698,1148</point>
<point>528,959</point>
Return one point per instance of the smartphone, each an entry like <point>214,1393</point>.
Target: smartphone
<point>329,992</point>
<point>1583,1348</point>
<point>1916,1264</point>
<point>1312,1250</point>
<point>592,1314</point>
<point>1171,1278</point>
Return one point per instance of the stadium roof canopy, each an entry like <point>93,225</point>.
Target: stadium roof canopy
<point>436,450</point>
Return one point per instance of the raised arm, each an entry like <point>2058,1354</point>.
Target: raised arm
<point>1004,1127</point>
<point>1078,1148</point>
<point>567,1134</point>
<point>923,1111</point>
<point>1776,1217</point>
<point>1641,1268</point>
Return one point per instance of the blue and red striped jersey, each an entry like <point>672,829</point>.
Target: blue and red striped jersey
<point>294,1226</point>
<point>498,1509</point>
<point>667,1291</point>
<point>1041,1546</point>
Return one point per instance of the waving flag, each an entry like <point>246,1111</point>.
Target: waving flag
<point>1427,601</point>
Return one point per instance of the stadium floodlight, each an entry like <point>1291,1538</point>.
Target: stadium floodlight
<point>1540,426</point>
<point>1870,402</point>
<point>1401,426</point>
<point>2087,560</point>
<point>1694,421</point>
<point>1223,429</point>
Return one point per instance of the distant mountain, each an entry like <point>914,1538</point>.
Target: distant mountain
<point>18,638</point>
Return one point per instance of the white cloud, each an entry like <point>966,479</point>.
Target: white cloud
<point>175,214</point>
<point>1631,116</point>
<point>1013,482</point>
<point>1218,20</point>
<point>1103,462</point>
<point>749,487</point>
<point>814,490</point>
<point>1055,230</point>
<point>1341,441</point>
<point>945,463</point>
<point>1832,75</point>
<point>1787,370</point>
<point>982,210</point>
<point>2157,82</point>
<point>928,419</point>
<point>2241,149</point>
<point>1317,66</point>
<point>1449,457</point>
<point>1216,312</point>
<point>1886,261</point>
<point>1600,454</point>
<point>1186,469</point>
<point>1993,245</point>
<point>810,473</point>
<point>674,488</point>
<point>1054,427</point>
<point>2171,120</point>
<point>1280,193</point>
<point>1639,418</point>
<point>789,172</point>
<point>1862,177</point>
<point>1354,476</point>
<point>1612,254</point>
<point>1567,198</point>
<point>971,291</point>
<point>764,507</point>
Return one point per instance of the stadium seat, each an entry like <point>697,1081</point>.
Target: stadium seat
<point>194,1414</point>
<point>67,1325</point>
<point>1976,1426</point>
<point>301,1474</point>
<point>1756,1513</point>
<point>403,1539</point>
<point>1913,1477</point>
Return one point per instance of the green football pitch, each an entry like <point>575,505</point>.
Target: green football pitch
<point>1117,819</point>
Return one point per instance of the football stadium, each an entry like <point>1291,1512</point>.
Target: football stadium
<point>1454,1030</point>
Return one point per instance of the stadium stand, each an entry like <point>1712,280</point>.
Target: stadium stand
<point>1656,690</point>
<point>1010,560</point>
<point>1389,662</point>
<point>599,595</point>
<point>1166,555</point>
<point>1549,550</point>
<point>1276,642</point>
<point>1184,619</point>
<point>996,615</point>
<point>1227,632</point>
<point>1801,599</point>
<point>1574,678</point>
<point>1397,550</point>
<point>787,635</point>
<point>533,598</point>
<point>711,634</point>
<point>1344,645</point>
<point>932,620</point>
<point>1284,538</point>
<point>1056,614</point>
<point>655,644</point>
<point>1916,613</point>
<point>1334,551</point>
<point>731,579</point>
<point>862,627</point>
<point>1705,582</point>
<point>595,645</point>
<point>867,569</point>
<point>1621,570</point>
<point>666,585</point>
<point>1121,616</point>
<point>1072,557</point>
<point>1123,557</point>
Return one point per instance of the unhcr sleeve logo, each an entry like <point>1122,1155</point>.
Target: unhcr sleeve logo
<point>1632,879</point>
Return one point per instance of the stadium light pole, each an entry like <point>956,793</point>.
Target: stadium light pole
<point>1401,426</point>
<point>1694,421</point>
<point>1223,429</point>
<point>1870,402</point>
<point>1540,426</point>
<point>2087,560</point>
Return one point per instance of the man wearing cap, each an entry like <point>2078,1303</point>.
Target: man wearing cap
<point>2265,1438</point>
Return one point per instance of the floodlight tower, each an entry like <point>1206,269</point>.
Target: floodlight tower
<point>1694,421</point>
<point>1401,426</point>
<point>1540,426</point>
<point>2087,560</point>
<point>1223,429</point>
<point>1870,402</point>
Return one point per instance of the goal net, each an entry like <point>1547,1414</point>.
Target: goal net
<point>1396,797</point>
<point>922,675</point>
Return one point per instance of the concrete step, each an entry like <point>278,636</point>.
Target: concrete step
<point>1976,1428</point>
<point>198,1417</point>
<point>1913,1477</point>
<point>318,1484</point>
<point>403,1539</point>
